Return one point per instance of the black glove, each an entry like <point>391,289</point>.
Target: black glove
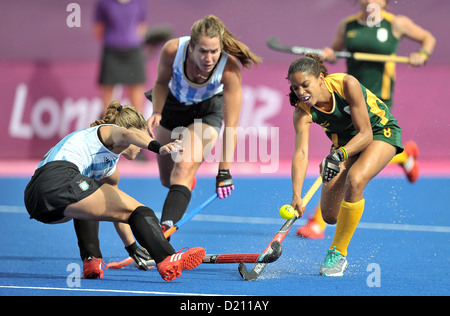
<point>330,165</point>
<point>224,183</point>
<point>140,255</point>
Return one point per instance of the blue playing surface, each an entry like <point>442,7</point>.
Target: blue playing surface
<point>401,246</point>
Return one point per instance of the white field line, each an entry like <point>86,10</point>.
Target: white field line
<point>279,221</point>
<point>42,288</point>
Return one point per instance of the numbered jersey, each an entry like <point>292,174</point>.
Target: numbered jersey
<point>376,39</point>
<point>338,124</point>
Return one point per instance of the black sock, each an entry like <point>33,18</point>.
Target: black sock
<point>87,234</point>
<point>148,233</point>
<point>176,203</point>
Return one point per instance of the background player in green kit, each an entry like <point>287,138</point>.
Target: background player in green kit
<point>374,33</point>
<point>365,137</point>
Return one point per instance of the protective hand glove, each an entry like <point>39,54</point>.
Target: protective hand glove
<point>140,255</point>
<point>224,183</point>
<point>331,165</point>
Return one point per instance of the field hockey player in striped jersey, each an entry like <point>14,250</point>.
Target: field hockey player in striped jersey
<point>198,85</point>
<point>78,179</point>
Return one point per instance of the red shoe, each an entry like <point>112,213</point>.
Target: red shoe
<point>411,167</point>
<point>411,149</point>
<point>92,268</point>
<point>311,230</point>
<point>171,267</point>
<point>194,182</point>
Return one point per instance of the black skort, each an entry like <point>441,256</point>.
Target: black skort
<point>53,187</point>
<point>122,66</point>
<point>176,114</point>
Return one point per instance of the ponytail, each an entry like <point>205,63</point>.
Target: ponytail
<point>122,115</point>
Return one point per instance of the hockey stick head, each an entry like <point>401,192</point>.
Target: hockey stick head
<point>253,274</point>
<point>272,255</point>
<point>272,41</point>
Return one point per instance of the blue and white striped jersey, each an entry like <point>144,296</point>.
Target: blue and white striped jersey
<point>189,92</point>
<point>84,149</point>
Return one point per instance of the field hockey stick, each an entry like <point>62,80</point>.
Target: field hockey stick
<point>273,43</point>
<point>275,243</point>
<point>224,258</point>
<point>184,220</point>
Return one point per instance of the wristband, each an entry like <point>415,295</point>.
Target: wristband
<point>344,151</point>
<point>223,172</point>
<point>154,146</point>
<point>424,52</point>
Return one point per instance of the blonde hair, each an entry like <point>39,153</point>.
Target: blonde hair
<point>212,26</point>
<point>122,115</point>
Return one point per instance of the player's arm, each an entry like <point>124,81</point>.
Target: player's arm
<point>161,86</point>
<point>232,99</point>
<point>337,45</point>
<point>302,124</point>
<point>99,30</point>
<point>360,116</point>
<point>331,165</point>
<point>120,138</point>
<point>404,26</point>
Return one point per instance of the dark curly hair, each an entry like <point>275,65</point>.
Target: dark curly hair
<point>310,64</point>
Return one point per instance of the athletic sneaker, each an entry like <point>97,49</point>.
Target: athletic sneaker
<point>171,267</point>
<point>311,230</point>
<point>411,166</point>
<point>334,265</point>
<point>92,268</point>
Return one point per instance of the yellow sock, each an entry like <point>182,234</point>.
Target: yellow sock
<point>319,219</point>
<point>399,158</point>
<point>348,219</point>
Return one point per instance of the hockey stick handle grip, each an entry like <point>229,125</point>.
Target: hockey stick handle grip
<point>380,58</point>
<point>312,190</point>
<point>273,43</point>
<point>195,211</point>
<point>189,216</point>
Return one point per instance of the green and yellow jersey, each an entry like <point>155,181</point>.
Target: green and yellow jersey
<point>338,124</point>
<point>377,39</point>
